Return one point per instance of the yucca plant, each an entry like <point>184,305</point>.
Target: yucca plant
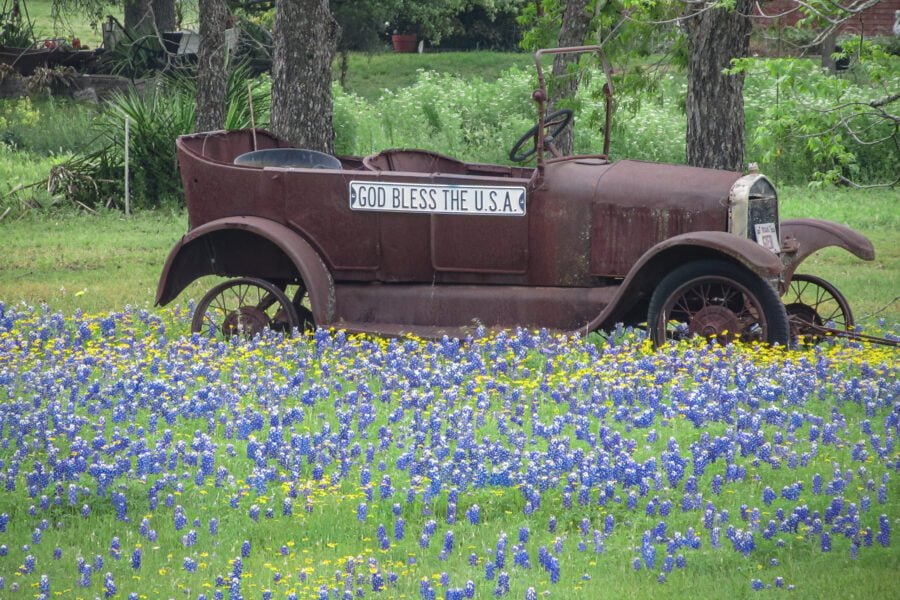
<point>157,115</point>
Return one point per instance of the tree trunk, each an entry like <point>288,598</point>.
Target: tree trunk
<point>164,13</point>
<point>138,17</point>
<point>211,77</point>
<point>829,45</point>
<point>305,41</point>
<point>715,101</point>
<point>575,21</point>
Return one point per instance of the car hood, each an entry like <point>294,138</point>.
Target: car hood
<point>639,183</point>
<point>635,183</point>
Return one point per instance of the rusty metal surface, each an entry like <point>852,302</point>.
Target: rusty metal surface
<point>368,307</point>
<point>567,238</point>
<point>804,327</point>
<point>803,237</point>
<point>202,252</point>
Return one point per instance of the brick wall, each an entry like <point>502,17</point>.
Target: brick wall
<point>876,20</point>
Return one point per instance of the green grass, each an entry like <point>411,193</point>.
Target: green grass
<point>67,24</point>
<point>369,75</point>
<point>103,262</point>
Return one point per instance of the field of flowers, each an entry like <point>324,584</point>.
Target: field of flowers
<point>136,462</point>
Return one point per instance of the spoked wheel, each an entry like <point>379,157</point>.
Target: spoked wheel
<point>244,307</point>
<point>810,300</point>
<point>716,300</point>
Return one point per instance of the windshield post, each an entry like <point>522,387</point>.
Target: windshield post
<point>541,97</point>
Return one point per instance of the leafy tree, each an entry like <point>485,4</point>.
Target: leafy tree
<point>140,15</point>
<point>435,19</point>
<point>362,24</point>
<point>717,36</point>
<point>575,23</point>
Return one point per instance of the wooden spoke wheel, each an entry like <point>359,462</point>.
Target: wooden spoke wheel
<point>718,300</point>
<point>810,300</point>
<point>244,307</point>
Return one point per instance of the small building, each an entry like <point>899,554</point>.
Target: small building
<point>878,19</point>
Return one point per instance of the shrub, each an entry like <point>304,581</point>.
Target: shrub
<point>156,117</point>
<point>806,124</point>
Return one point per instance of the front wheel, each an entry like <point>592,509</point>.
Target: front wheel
<point>718,300</point>
<point>812,302</point>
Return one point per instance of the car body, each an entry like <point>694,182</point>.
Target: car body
<point>411,241</point>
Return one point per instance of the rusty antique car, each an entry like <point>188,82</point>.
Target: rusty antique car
<point>411,241</point>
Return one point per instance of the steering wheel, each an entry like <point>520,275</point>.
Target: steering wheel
<point>554,124</point>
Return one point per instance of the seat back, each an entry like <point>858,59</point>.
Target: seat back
<point>288,157</point>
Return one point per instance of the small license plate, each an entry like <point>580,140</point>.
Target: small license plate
<point>767,236</point>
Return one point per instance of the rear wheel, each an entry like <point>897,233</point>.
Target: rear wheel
<point>245,307</point>
<point>718,300</point>
<point>303,308</point>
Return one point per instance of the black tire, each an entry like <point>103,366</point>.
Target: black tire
<point>716,299</point>
<point>244,307</point>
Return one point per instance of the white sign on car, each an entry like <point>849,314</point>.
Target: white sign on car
<point>437,199</point>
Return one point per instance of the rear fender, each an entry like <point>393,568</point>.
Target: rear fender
<point>248,246</point>
<point>638,285</point>
<point>802,237</point>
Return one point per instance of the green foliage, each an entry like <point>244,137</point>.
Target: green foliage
<point>45,125</point>
<point>15,28</point>
<point>156,117</point>
<point>468,119</point>
<point>362,23</point>
<point>804,123</point>
<point>435,19</point>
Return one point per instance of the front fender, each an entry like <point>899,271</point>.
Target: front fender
<point>248,246</point>
<point>646,273</point>
<point>802,237</point>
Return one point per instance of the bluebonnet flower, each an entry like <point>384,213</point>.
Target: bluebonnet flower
<point>473,514</point>
<point>884,531</point>
<point>469,589</point>
<point>383,539</point>
<point>109,586</point>
<point>502,588</point>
